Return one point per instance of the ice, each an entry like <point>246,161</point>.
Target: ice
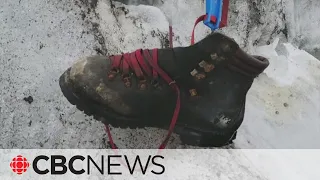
<point>283,104</point>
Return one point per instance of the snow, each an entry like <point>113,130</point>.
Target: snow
<point>283,102</point>
<point>305,21</point>
<point>40,39</point>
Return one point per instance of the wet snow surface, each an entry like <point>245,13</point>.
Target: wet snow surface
<point>40,39</point>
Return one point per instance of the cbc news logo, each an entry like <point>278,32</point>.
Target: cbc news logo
<point>19,164</point>
<point>104,164</point>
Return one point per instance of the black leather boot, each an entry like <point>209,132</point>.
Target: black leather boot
<point>139,89</point>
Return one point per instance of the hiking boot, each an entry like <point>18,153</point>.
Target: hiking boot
<point>202,86</point>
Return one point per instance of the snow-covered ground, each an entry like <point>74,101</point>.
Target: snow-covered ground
<point>40,39</point>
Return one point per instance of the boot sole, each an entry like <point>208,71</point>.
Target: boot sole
<point>188,135</point>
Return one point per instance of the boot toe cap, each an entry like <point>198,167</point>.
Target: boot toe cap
<point>87,78</point>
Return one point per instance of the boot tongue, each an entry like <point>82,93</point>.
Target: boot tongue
<point>188,58</point>
<point>180,60</point>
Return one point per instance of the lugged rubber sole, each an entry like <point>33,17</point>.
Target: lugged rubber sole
<point>188,135</point>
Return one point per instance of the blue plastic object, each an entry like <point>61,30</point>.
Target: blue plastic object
<point>214,10</point>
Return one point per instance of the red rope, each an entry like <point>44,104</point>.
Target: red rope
<point>170,36</point>
<point>201,18</point>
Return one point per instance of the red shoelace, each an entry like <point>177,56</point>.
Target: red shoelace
<point>137,63</point>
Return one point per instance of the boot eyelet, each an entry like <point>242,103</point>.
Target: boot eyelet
<point>112,74</point>
<point>214,56</point>
<point>155,83</point>
<point>200,76</point>
<point>127,81</point>
<point>202,63</point>
<point>193,92</point>
<point>142,84</point>
<point>194,72</point>
<point>208,68</point>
